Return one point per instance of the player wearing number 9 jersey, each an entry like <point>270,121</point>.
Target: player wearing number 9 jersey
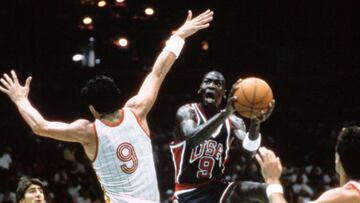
<point>117,142</point>
<point>204,133</point>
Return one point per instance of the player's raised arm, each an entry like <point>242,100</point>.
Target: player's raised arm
<point>271,170</point>
<point>145,98</point>
<point>73,132</point>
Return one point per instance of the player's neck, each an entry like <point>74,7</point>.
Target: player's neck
<point>209,109</point>
<point>112,117</point>
<point>343,179</point>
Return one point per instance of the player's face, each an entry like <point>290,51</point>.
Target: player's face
<point>212,89</point>
<point>33,194</point>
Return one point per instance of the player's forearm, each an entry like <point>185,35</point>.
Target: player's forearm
<point>169,54</point>
<point>254,130</point>
<point>31,116</point>
<point>163,64</point>
<point>205,130</point>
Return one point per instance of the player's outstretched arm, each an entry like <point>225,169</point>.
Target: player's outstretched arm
<point>73,132</point>
<point>271,170</point>
<point>145,98</point>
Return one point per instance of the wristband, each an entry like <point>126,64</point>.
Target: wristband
<point>175,45</point>
<point>251,145</point>
<point>274,188</point>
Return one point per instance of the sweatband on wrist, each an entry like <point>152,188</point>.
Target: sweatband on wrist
<point>274,188</point>
<point>175,45</point>
<point>251,145</point>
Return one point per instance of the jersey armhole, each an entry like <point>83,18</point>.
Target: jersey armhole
<point>97,143</point>
<point>140,125</point>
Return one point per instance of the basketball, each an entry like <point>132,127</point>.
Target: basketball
<point>253,96</point>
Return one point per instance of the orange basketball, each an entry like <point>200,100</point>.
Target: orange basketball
<point>253,96</point>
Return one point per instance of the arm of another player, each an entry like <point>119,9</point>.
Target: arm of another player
<point>271,170</point>
<point>145,99</point>
<point>73,132</point>
<point>339,194</point>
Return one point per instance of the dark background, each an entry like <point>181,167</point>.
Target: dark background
<point>306,50</point>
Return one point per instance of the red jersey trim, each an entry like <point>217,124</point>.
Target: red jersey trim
<point>139,123</point>
<point>118,123</point>
<point>97,142</point>
<point>354,187</point>
<point>202,112</point>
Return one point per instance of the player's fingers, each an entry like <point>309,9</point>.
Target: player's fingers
<point>206,16</point>
<point>4,90</point>
<point>259,160</point>
<point>205,20</point>
<point>200,27</point>
<point>201,15</point>
<point>5,83</point>
<point>189,16</point>
<point>28,81</point>
<point>14,76</point>
<point>232,99</point>
<point>8,79</point>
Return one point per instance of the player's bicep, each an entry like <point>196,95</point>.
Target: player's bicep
<point>77,131</point>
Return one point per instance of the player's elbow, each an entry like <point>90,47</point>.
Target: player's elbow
<point>38,129</point>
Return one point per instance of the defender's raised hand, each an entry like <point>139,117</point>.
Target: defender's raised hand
<point>11,87</point>
<point>192,25</point>
<point>270,164</point>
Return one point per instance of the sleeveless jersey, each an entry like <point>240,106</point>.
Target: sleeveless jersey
<point>124,161</point>
<point>354,185</point>
<point>195,167</point>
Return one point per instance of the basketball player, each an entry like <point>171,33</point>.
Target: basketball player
<point>204,133</point>
<point>30,190</point>
<point>347,152</point>
<point>118,142</point>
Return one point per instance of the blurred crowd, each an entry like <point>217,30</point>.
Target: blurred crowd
<point>68,175</point>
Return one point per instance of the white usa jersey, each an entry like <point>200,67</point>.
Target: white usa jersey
<point>124,162</point>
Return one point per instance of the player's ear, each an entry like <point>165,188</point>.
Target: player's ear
<point>94,112</point>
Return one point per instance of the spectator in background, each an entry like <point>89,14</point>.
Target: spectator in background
<point>30,190</point>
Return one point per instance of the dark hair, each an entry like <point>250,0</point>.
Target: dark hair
<point>102,92</point>
<point>23,185</point>
<point>348,148</point>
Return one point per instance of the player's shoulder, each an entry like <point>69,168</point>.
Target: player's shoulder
<point>185,109</point>
<point>339,194</point>
<point>84,125</point>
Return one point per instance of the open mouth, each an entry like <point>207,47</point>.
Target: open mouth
<point>209,96</point>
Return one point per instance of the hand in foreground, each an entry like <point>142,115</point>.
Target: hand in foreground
<point>12,87</point>
<point>192,25</point>
<point>270,164</point>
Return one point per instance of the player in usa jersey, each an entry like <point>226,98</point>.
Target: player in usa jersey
<point>347,151</point>
<point>204,133</point>
<point>118,141</point>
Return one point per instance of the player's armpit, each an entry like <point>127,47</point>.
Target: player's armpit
<point>80,131</point>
